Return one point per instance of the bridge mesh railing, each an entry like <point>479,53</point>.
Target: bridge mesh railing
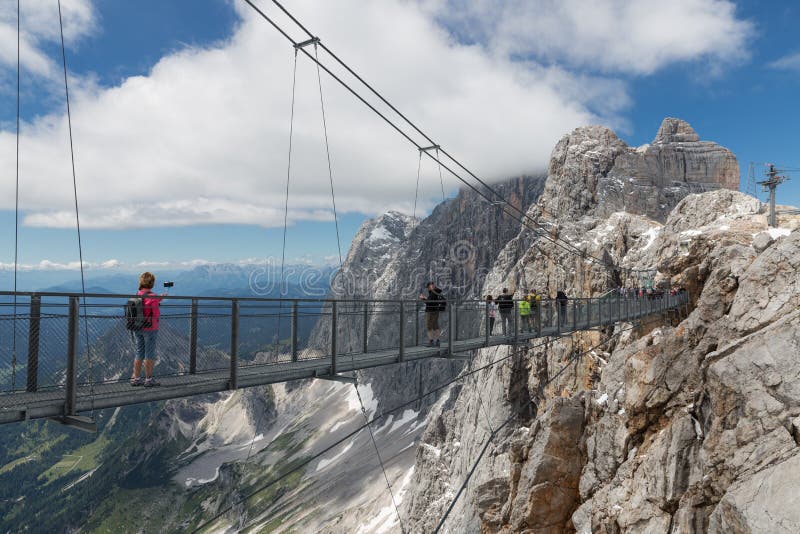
<point>195,334</point>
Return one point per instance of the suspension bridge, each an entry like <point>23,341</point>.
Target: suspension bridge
<point>204,345</point>
<point>65,355</point>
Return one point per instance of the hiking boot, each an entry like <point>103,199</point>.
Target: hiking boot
<point>137,381</point>
<point>151,382</point>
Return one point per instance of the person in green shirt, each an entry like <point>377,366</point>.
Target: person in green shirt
<point>525,313</point>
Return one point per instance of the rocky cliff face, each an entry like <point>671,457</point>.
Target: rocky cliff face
<point>686,423</point>
<point>393,256</point>
<point>596,172</point>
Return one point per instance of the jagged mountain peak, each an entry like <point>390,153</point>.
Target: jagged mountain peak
<point>593,172</point>
<point>674,130</point>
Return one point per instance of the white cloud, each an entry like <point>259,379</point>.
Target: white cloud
<point>203,137</point>
<point>39,25</point>
<point>117,265</point>
<point>47,265</point>
<point>787,62</point>
<point>628,36</point>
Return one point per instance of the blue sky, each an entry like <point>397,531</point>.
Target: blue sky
<point>724,82</point>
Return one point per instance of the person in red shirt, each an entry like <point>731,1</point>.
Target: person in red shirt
<point>146,337</point>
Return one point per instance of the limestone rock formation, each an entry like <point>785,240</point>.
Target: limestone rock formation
<point>686,423</point>
<point>393,256</point>
<point>593,171</point>
<point>675,131</point>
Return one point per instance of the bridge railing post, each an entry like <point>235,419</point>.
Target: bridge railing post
<point>416,324</point>
<point>450,330</point>
<point>587,305</point>
<point>232,384</point>
<point>455,321</point>
<point>486,317</point>
<point>334,335</point>
<point>402,351</point>
<point>516,322</point>
<point>574,315</point>
<point>539,318</point>
<point>295,321</point>
<point>558,317</point>
<point>34,323</point>
<point>72,351</point>
<point>193,338</point>
<point>365,327</point>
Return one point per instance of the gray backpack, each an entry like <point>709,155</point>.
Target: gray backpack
<point>135,318</point>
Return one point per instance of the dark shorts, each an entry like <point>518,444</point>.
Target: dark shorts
<point>432,320</point>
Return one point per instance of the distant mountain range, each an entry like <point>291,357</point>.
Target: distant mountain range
<point>223,279</point>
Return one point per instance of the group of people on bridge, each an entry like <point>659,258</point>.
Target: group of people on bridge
<point>502,305</point>
<point>528,308</point>
<point>647,292</point>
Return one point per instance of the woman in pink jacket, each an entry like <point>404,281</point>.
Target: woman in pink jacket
<point>146,337</point>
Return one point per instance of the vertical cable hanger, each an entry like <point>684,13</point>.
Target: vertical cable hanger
<point>281,289</point>
<point>315,41</point>
<point>77,210</point>
<point>285,224</point>
<point>328,153</point>
<point>416,190</point>
<point>16,219</point>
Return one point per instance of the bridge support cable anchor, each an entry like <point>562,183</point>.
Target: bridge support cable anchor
<point>86,424</point>
<point>338,378</point>
<point>313,41</point>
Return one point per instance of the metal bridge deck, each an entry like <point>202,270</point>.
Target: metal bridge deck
<point>63,398</point>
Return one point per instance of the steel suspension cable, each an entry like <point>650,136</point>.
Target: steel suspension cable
<point>328,153</point>
<point>16,218</point>
<point>288,174</point>
<point>441,179</point>
<point>410,402</point>
<point>353,433</point>
<point>535,404</point>
<point>397,111</point>
<point>77,210</point>
<point>341,270</point>
<point>285,226</point>
<point>524,219</point>
<point>416,190</point>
